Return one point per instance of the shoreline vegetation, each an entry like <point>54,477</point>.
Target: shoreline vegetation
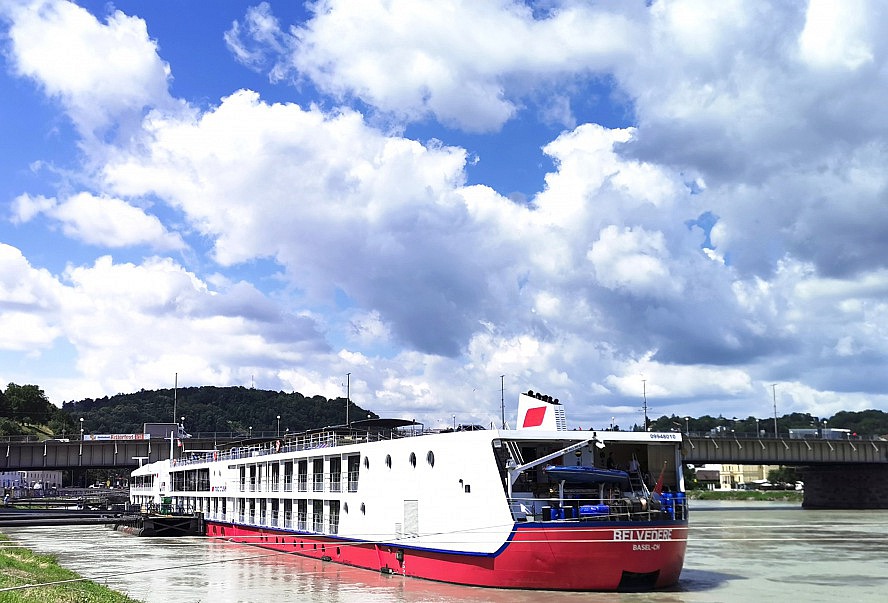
<point>748,495</point>
<point>20,567</point>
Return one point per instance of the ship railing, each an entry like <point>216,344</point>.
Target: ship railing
<point>303,482</point>
<point>301,521</point>
<point>288,483</point>
<point>318,483</point>
<point>657,506</point>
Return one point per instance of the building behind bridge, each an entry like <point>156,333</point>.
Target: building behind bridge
<point>30,483</point>
<point>730,477</point>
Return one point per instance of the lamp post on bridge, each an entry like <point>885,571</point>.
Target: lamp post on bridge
<point>279,426</point>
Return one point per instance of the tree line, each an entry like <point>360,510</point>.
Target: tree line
<point>237,411</point>
<point>25,409</point>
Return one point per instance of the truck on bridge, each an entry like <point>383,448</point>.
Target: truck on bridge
<point>826,433</point>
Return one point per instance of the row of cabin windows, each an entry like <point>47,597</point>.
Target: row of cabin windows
<point>254,475</point>
<point>305,515</point>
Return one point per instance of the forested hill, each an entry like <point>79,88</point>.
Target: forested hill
<point>212,409</point>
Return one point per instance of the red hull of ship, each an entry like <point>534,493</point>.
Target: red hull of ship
<point>576,556</point>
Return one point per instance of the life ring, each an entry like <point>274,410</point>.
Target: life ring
<point>277,445</point>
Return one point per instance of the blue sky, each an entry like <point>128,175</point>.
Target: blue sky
<point>582,197</point>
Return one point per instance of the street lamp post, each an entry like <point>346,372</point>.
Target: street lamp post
<point>757,431</point>
<point>81,430</point>
<point>454,422</point>
<point>251,431</point>
<point>774,393</point>
<point>279,426</point>
<point>688,426</point>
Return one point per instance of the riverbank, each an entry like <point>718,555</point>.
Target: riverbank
<point>20,567</point>
<point>748,495</point>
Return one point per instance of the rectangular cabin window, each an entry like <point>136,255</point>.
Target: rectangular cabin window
<point>317,516</point>
<point>288,514</point>
<point>288,476</point>
<point>336,474</point>
<point>334,517</point>
<point>302,476</point>
<point>274,518</point>
<point>275,477</point>
<point>354,466</point>
<point>318,475</point>
<point>301,514</point>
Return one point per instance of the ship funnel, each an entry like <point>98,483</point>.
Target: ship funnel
<point>538,411</point>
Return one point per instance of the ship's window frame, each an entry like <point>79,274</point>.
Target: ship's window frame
<point>430,458</point>
<point>413,460</point>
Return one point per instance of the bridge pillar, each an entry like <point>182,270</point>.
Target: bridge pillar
<point>845,486</point>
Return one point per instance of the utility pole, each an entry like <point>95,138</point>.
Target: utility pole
<point>347,395</point>
<point>645,406</point>
<point>503,398</point>
<point>774,391</point>
<point>175,392</point>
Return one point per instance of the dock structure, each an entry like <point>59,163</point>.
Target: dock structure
<point>136,523</point>
<point>162,525</point>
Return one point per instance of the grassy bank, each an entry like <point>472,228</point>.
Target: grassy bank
<point>20,567</point>
<point>761,495</point>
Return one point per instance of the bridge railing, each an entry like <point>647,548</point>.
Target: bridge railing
<point>727,434</point>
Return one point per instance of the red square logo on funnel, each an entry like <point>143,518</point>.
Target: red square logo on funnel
<point>534,416</point>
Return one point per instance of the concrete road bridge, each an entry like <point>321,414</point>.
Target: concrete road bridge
<point>842,474</point>
<point>849,473</point>
<point>77,455</point>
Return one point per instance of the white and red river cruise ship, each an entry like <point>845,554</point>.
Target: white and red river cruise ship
<point>536,507</point>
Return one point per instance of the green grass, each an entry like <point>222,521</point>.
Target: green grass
<point>21,567</point>
<point>759,495</point>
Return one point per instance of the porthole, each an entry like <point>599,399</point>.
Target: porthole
<point>366,463</point>
<point>430,458</point>
<point>388,461</point>
<point>413,459</point>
